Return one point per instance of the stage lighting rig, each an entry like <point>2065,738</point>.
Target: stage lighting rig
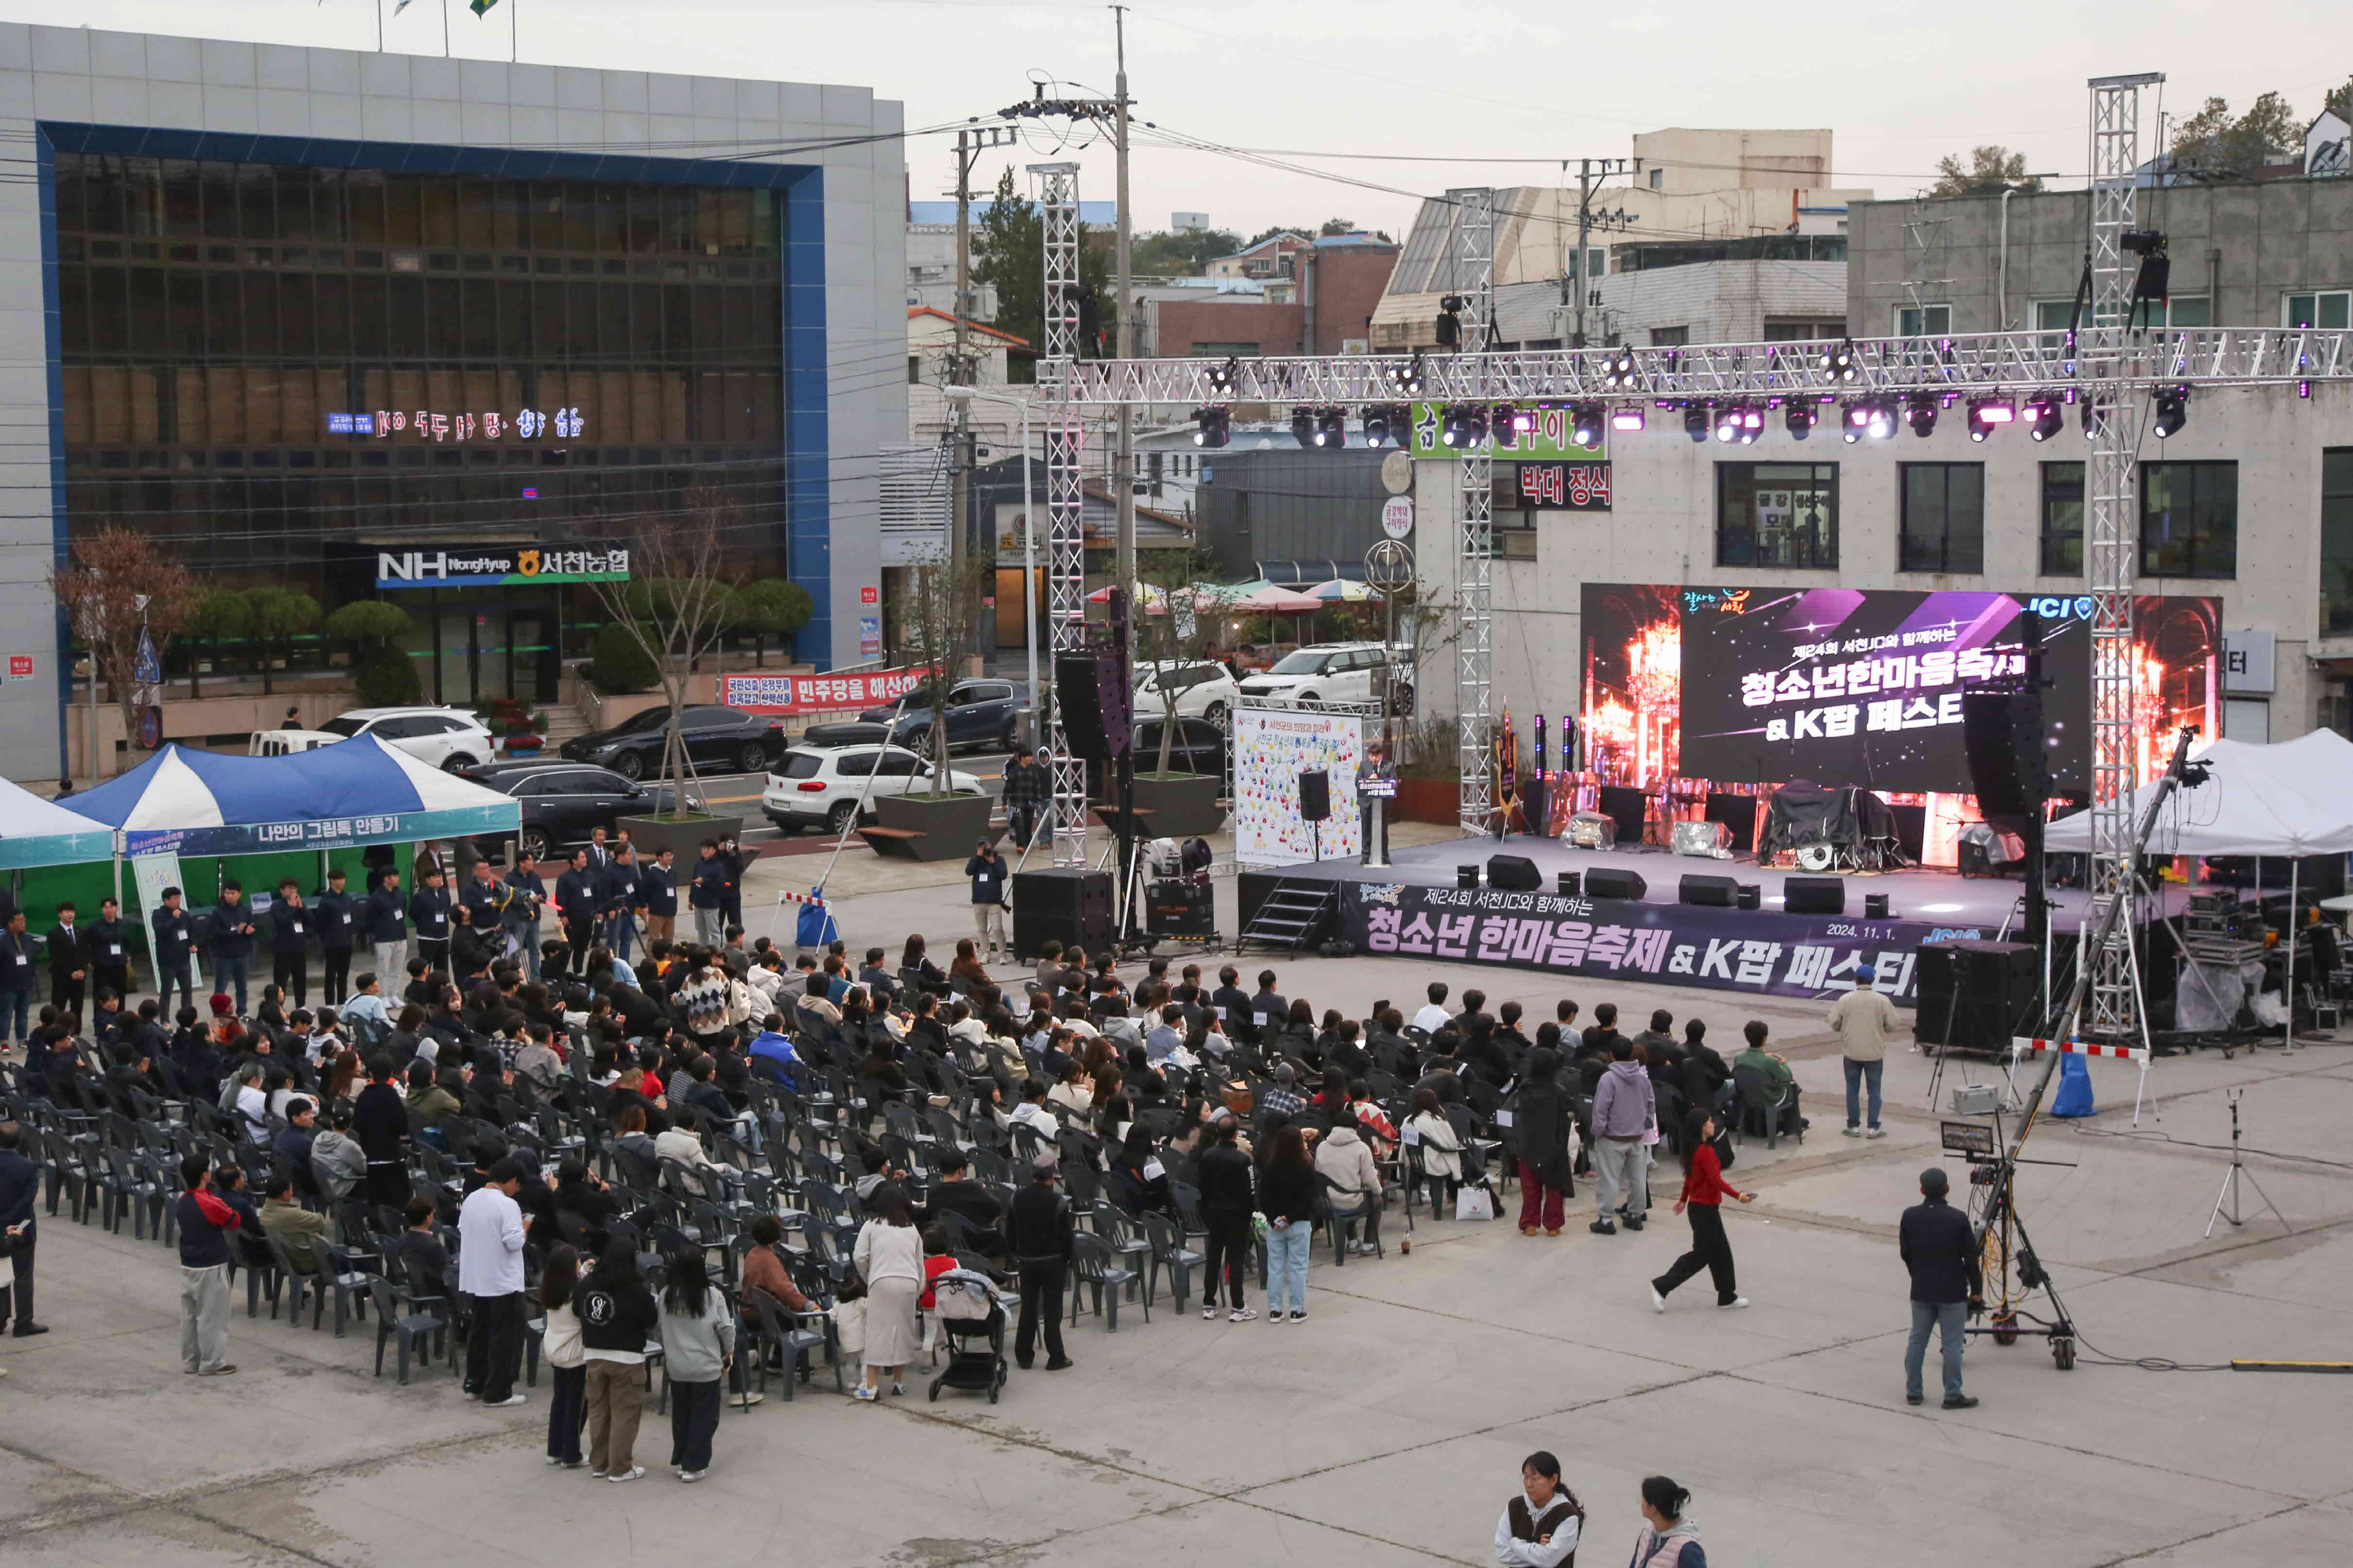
<point>1695,421</point>
<point>1752,423</point>
<point>1798,418</point>
<point>1406,379</point>
<point>1839,364</point>
<point>1213,425</point>
<point>1303,426</point>
<point>2045,416</point>
<point>1920,413</point>
<point>1987,415</point>
<point>1509,422</point>
<point>2172,412</point>
<point>1879,422</point>
<point>1379,431</point>
<point>1463,427</point>
<point>1630,418</point>
<point>1332,427</point>
<point>1584,424</point>
<point>1617,370</point>
<point>1728,421</point>
<point>1223,377</point>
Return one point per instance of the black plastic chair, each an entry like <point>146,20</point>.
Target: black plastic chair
<point>409,1329</point>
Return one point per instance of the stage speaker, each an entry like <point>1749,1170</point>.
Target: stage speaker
<point>1738,815</point>
<point>2008,767</point>
<point>1874,906</point>
<point>1973,995</point>
<point>1610,882</point>
<point>1062,904</point>
<point>1513,874</point>
<point>1750,897</point>
<point>1466,877</point>
<point>1813,895</point>
<point>1716,892</point>
<point>1315,795</point>
<point>1570,883</point>
<point>1627,806</point>
<point>1094,697</point>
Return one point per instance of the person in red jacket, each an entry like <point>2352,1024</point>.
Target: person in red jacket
<point>1704,1190</point>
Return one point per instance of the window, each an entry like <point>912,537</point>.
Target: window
<point>857,765</point>
<point>1778,332</point>
<point>2181,310</point>
<point>1658,179</point>
<point>1777,514</point>
<point>2332,312</point>
<point>2189,519</point>
<point>1923,320</point>
<point>915,370</point>
<point>799,765</point>
<point>2062,520</point>
<point>1943,526</point>
<point>1669,337</point>
<point>1237,351</point>
<point>898,765</point>
<point>2336,542</point>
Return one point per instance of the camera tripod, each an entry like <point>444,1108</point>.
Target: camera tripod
<point>2237,1173</point>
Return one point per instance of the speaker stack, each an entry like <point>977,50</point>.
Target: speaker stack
<point>1610,882</point>
<point>2009,768</point>
<point>1091,687</point>
<point>1064,904</point>
<point>1315,795</point>
<point>1973,995</point>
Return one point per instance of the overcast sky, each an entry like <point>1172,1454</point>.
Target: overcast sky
<point>1507,91</point>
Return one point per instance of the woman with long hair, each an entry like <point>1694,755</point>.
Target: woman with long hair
<point>1288,1189</point>
<point>568,1362</point>
<point>698,1336</point>
<point>1425,1127</point>
<point>1704,1190</point>
<point>912,957</point>
<point>617,1314</point>
<point>1545,1125</point>
<point>1075,1093</point>
<point>966,965</point>
<point>888,1257</point>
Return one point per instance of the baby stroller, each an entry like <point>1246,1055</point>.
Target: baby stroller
<point>972,1316</point>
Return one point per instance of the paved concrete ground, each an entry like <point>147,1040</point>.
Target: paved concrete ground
<point>1386,1430</point>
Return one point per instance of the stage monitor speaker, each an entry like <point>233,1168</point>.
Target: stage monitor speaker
<point>1813,895</point>
<point>1315,795</point>
<point>1716,892</point>
<point>1974,996</point>
<point>1466,877</point>
<point>2007,768</point>
<point>1875,906</point>
<point>1513,874</point>
<point>1570,883</point>
<point>1628,806</point>
<point>1750,897</point>
<point>1093,699</point>
<point>1738,815</point>
<point>1062,904</point>
<point>1610,882</point>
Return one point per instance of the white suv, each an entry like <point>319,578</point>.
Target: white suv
<point>448,738</point>
<point>1329,672</point>
<point>810,787</point>
<point>1203,691</point>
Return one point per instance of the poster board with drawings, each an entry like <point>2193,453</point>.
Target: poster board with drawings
<point>1272,748</point>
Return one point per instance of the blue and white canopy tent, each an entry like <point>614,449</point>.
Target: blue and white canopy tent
<point>37,832</point>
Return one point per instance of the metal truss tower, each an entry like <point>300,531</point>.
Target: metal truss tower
<point>2112,539</point>
<point>1066,547</point>
<point>1474,681</point>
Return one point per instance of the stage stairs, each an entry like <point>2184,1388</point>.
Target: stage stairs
<point>1291,915</point>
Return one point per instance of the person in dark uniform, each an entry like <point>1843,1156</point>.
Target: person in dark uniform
<point>622,897</point>
<point>576,906</point>
<point>231,942</point>
<point>15,979</point>
<point>387,923</point>
<point>379,1126</point>
<point>110,950</point>
<point>176,947</point>
<point>1038,1237</point>
<point>337,914</point>
<point>713,874</point>
<point>68,964</point>
<point>658,886</point>
<point>731,897</point>
<point>1373,769</point>
<point>293,926</point>
<point>521,913</point>
<point>429,911</point>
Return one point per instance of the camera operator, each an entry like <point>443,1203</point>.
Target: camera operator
<point>1948,1284</point>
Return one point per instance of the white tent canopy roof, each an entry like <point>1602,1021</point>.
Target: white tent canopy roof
<point>2293,799</point>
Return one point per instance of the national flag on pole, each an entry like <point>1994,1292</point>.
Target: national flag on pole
<point>482,5</point>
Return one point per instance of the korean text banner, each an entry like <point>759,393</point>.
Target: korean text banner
<point>816,693</point>
<point>1765,953</point>
<point>1273,747</point>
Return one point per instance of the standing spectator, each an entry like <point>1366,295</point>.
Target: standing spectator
<point>429,911</point>
<point>204,1221</point>
<point>232,943</point>
<point>698,1336</point>
<point>388,922</point>
<point>1625,1107</point>
<point>1862,1019</point>
<point>1288,1192</point>
<point>731,897</point>
<point>1668,1539</point>
<point>1703,1193</point>
<point>380,1124</point>
<point>1028,795</point>
<point>110,951</point>
<point>290,944</point>
<point>578,895</point>
<point>68,964</point>
<point>1228,1187</point>
<point>708,896</point>
<point>520,916</point>
<point>489,1270</point>
<point>1038,1240</point>
<point>16,985</point>
<point>20,1179</point>
<point>987,871</point>
<point>657,885</point>
<point>175,948</point>
<point>1539,1528</point>
<point>567,1364</point>
<point>624,897</point>
<point>338,916</point>
<point>1546,1125</point>
<point>618,1317</point>
<point>1947,1285</point>
<point>889,1255</point>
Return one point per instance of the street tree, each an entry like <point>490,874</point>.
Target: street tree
<point>938,625</point>
<point>2215,144</point>
<point>769,606</point>
<point>278,616</point>
<point>217,616</point>
<point>674,605</point>
<point>116,582</point>
<point>1008,250</point>
<point>1177,627</point>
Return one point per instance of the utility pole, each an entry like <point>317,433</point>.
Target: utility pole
<point>1122,284</point>
<point>1589,171</point>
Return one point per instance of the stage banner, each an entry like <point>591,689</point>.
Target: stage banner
<point>1272,748</point>
<point>1762,952</point>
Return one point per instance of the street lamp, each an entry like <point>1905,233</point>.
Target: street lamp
<point>961,393</point>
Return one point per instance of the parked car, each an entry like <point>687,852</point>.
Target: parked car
<point>1200,747</point>
<point>563,801</point>
<point>1332,672</point>
<point>284,743</point>
<point>983,713</point>
<point>1203,691</point>
<point>449,738</point>
<point>718,740</point>
<point>820,787</point>
<point>849,732</point>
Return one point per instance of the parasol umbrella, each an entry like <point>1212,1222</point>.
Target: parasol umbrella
<point>1344,591</point>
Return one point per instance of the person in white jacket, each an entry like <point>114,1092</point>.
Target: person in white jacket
<point>567,1359</point>
<point>1344,1157</point>
<point>888,1257</point>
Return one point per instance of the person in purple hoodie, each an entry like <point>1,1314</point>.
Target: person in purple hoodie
<point>1623,1111</point>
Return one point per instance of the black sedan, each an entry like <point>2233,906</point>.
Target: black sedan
<point>1198,747</point>
<point>718,740</point>
<point>562,803</point>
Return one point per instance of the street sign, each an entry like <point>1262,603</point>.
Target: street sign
<point>151,727</point>
<point>146,670</point>
<point>1388,565</point>
<point>1397,517</point>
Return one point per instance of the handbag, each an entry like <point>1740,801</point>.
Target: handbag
<point>1258,1227</point>
<point>1474,1202</point>
<point>850,1326</point>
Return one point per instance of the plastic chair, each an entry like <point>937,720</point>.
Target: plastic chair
<point>341,1275</point>
<point>299,1286</point>
<point>1170,1252</point>
<point>1342,1219</point>
<point>1759,1101</point>
<point>794,1335</point>
<point>406,1328</point>
<point>1091,1266</point>
<point>1119,1232</point>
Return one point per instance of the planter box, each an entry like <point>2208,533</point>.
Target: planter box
<point>1183,806</point>
<point>1428,800</point>
<point>684,836</point>
<point>948,826</point>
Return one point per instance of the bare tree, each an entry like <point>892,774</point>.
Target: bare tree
<point>939,617</point>
<point>1177,630</point>
<point>676,603</point>
<point>116,582</point>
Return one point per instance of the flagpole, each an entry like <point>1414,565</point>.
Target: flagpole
<point>444,29</point>
<point>514,31</point>
<point>379,27</point>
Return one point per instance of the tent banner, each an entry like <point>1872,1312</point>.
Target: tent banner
<point>324,833</point>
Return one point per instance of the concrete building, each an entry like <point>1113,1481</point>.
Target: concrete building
<point>1321,302</point>
<point>1270,258</point>
<point>930,345</point>
<point>236,263</point>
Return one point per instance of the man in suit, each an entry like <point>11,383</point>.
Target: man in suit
<point>290,931</point>
<point>623,897</point>
<point>68,964</point>
<point>110,950</point>
<point>174,935</point>
<point>20,1179</point>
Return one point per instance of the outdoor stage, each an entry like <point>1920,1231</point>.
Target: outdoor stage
<point>1414,908</point>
